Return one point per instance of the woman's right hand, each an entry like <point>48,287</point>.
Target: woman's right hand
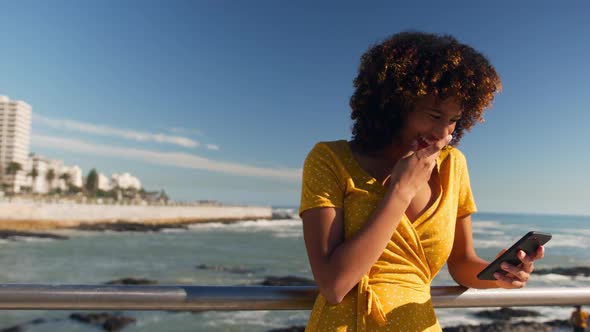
<point>411,173</point>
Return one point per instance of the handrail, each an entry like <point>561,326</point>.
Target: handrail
<point>192,298</point>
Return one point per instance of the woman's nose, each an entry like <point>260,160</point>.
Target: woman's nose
<point>443,129</point>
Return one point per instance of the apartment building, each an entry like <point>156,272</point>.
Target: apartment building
<point>15,132</point>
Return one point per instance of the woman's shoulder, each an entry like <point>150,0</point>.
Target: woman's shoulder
<point>452,154</point>
<point>337,148</point>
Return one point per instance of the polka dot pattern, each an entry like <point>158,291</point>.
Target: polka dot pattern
<point>394,295</point>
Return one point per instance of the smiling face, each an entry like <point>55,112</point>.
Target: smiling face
<point>431,120</point>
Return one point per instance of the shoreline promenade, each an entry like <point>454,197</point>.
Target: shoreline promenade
<point>32,215</point>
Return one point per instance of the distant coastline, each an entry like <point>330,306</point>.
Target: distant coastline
<point>35,215</point>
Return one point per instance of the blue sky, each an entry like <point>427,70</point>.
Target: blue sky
<point>222,100</point>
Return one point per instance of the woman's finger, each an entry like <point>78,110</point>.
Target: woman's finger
<point>520,273</point>
<point>433,149</point>
<point>540,253</point>
<point>506,282</point>
<point>527,261</point>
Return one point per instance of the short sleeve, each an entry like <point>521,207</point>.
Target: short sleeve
<point>321,186</point>
<point>466,204</point>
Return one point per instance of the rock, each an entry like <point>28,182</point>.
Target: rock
<point>24,326</point>
<point>287,281</point>
<point>505,326</point>
<point>229,269</point>
<point>494,327</point>
<point>501,327</point>
<point>117,323</point>
<point>566,271</point>
<point>560,324</point>
<point>506,313</point>
<point>108,322</point>
<point>283,214</point>
<point>123,226</point>
<point>13,235</point>
<point>16,328</point>
<point>131,281</point>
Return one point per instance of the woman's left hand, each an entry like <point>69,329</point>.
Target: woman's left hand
<point>517,276</point>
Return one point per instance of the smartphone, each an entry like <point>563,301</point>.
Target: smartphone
<point>528,243</point>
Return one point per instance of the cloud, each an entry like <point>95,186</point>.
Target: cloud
<point>176,159</point>
<point>186,131</point>
<point>115,132</point>
<point>212,147</point>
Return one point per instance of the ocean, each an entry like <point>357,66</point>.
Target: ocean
<point>245,253</point>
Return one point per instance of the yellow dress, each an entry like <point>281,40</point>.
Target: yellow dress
<point>394,295</point>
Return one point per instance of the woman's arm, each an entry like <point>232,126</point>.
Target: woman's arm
<point>338,265</point>
<point>464,264</point>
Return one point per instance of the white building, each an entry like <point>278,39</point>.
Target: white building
<point>74,174</point>
<point>36,169</point>
<point>45,175</point>
<point>53,173</point>
<point>125,181</point>
<point>15,132</point>
<point>104,183</point>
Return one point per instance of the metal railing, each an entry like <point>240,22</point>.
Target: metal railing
<point>192,298</point>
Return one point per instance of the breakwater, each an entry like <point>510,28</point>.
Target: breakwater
<point>40,215</point>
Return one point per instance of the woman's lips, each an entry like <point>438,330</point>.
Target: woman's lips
<point>422,142</point>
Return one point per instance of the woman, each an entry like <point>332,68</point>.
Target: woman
<point>384,212</point>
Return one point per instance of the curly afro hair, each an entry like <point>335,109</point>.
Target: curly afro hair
<point>410,65</point>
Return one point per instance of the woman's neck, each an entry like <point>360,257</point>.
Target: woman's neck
<point>388,155</point>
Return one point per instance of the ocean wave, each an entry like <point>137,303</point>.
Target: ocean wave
<point>460,316</point>
<point>268,223</point>
<point>499,243</point>
<point>280,228</point>
<point>447,319</point>
<point>486,224</point>
<point>503,240</point>
<point>562,279</point>
<point>285,213</point>
<point>248,225</point>
<point>485,231</point>
<point>236,318</point>
<point>576,231</point>
<point>289,234</point>
<point>207,226</point>
<point>173,230</point>
<point>31,239</point>
<point>568,240</point>
<point>498,225</point>
<point>261,320</point>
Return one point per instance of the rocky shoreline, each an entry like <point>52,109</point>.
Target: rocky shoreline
<point>26,230</point>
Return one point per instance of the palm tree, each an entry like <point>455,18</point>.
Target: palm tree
<point>34,173</point>
<point>13,167</point>
<point>92,182</point>
<point>11,170</point>
<point>49,176</point>
<point>66,177</point>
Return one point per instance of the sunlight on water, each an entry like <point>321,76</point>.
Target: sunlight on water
<point>244,253</point>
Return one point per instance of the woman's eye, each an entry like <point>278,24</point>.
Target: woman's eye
<point>434,116</point>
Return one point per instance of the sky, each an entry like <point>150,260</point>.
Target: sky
<point>223,100</point>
